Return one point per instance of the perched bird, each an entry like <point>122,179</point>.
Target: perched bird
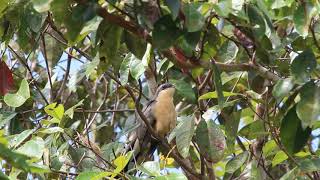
<point>161,114</point>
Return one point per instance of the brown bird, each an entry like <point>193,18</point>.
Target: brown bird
<point>161,114</point>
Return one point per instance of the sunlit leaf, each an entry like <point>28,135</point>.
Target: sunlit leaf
<point>33,148</point>
<point>20,97</point>
<point>55,110</point>
<point>213,95</point>
<point>279,158</point>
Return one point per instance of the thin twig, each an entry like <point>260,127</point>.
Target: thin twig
<point>65,79</point>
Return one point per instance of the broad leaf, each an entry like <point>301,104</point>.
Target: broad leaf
<point>292,174</point>
<point>303,65</point>
<point>211,140</point>
<point>279,158</point>
<point>165,33</point>
<point>236,162</point>
<point>302,17</point>
<point>33,148</point>
<point>253,130</point>
<point>20,97</point>
<point>308,108</point>
<point>55,110</point>
<point>184,89</point>
<point>184,135</point>
<point>310,165</point>
<point>194,19</point>
<point>17,160</point>
<point>282,88</point>
<point>293,137</point>
<point>174,6</point>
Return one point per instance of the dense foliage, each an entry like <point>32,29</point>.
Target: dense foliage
<point>74,72</point>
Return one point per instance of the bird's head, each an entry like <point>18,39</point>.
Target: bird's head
<point>166,89</point>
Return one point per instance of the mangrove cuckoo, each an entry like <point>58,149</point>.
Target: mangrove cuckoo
<point>161,114</point>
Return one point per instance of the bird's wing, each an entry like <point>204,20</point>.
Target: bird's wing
<point>139,137</point>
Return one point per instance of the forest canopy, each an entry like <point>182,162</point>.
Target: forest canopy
<point>75,74</point>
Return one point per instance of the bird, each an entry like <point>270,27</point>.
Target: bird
<point>160,113</point>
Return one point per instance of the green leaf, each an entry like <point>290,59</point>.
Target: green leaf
<point>214,95</point>
<point>4,4</point>
<point>5,117</point>
<point>38,168</point>
<point>124,69</point>
<point>19,138</point>
<point>54,110</point>
<point>146,57</point>
<point>227,52</point>
<point>121,162</point>
<point>308,108</point>
<point>194,19</point>
<point>236,162</point>
<point>253,130</point>
<point>102,175</point>
<point>111,36</point>
<point>255,172</point>
<point>282,88</point>
<point>302,17</point>
<point>293,137</point>
<point>91,66</point>
<point>136,67</point>
<point>70,111</point>
<point>279,158</point>
<point>41,5</point>
<point>3,176</point>
<point>152,168</point>
<point>302,66</point>
<point>184,135</point>
<point>87,175</point>
<point>269,148</point>
<point>257,21</point>
<point>135,44</point>
<point>211,140</point>
<point>19,98</point>
<point>218,85</point>
<point>17,160</point>
<point>223,7</point>
<point>184,89</point>
<point>33,148</point>
<point>292,174</point>
<point>281,3</point>
<point>309,165</point>
<point>172,176</point>
<point>165,33</point>
<point>231,128</point>
<point>54,50</point>
<point>174,6</point>
<point>51,130</point>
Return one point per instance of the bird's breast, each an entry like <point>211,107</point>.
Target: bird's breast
<point>165,116</point>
